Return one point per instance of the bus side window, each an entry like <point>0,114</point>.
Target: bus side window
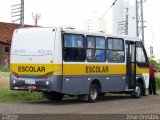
<point>115,50</point>
<point>95,49</point>
<point>74,50</point>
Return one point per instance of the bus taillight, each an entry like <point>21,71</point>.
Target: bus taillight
<point>48,75</point>
<point>15,74</point>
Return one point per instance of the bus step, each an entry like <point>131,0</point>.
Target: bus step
<point>129,89</point>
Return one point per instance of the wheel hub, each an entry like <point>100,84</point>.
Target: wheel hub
<point>137,91</point>
<point>93,93</point>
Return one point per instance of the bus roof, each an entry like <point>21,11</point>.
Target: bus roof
<point>125,37</point>
<point>100,33</point>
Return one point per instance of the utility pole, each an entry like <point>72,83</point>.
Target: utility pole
<point>17,13</point>
<point>139,19</point>
<point>22,13</point>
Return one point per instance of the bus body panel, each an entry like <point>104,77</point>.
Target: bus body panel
<point>78,81</point>
<point>78,77</point>
<point>72,78</point>
<point>34,54</point>
<point>75,85</point>
<point>143,73</point>
<point>53,84</point>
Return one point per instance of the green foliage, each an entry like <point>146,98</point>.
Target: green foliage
<point>155,64</point>
<point>7,95</point>
<point>158,83</point>
<point>0,67</point>
<point>4,69</point>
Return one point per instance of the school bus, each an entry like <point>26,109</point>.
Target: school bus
<point>65,61</point>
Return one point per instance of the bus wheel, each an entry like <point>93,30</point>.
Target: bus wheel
<point>138,91</point>
<point>53,96</point>
<point>93,93</point>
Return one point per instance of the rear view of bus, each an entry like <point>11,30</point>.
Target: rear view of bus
<point>33,60</point>
<point>60,61</point>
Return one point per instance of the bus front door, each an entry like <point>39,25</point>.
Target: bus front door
<point>130,64</point>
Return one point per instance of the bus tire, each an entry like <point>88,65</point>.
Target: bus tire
<point>138,91</point>
<point>143,92</point>
<point>93,93</point>
<point>53,96</point>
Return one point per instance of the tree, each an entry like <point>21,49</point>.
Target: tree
<point>155,64</point>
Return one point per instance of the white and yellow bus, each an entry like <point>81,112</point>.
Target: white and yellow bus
<point>60,61</point>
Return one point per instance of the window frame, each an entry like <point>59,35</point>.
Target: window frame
<point>63,47</point>
<point>95,48</point>
<point>115,49</point>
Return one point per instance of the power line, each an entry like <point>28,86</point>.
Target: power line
<point>107,11</point>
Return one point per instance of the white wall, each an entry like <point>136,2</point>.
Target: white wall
<point>119,15</point>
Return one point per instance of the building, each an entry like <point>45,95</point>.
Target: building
<point>124,17</point>
<point>6,31</point>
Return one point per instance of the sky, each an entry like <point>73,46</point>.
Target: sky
<point>152,18</point>
<point>57,12</point>
<point>75,13</point>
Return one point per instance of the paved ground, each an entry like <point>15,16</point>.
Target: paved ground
<point>106,105</point>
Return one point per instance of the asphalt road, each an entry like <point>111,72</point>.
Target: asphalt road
<point>107,105</point>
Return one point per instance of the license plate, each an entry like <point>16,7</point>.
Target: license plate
<point>29,81</point>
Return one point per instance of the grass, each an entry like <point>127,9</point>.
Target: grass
<point>7,95</point>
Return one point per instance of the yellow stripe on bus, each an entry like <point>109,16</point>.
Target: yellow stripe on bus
<point>91,69</point>
<point>141,70</point>
<point>72,69</point>
<point>32,69</point>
